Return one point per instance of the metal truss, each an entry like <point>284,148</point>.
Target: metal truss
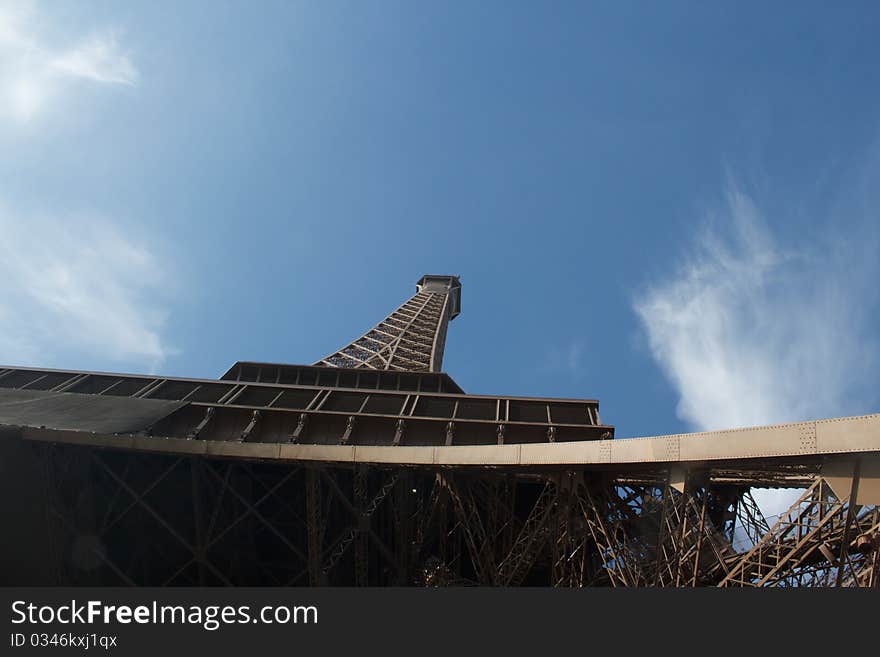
<point>693,550</point>
<point>129,518</point>
<point>312,413</point>
<point>610,514</point>
<point>822,540</point>
<point>373,468</point>
<point>750,518</point>
<point>412,337</point>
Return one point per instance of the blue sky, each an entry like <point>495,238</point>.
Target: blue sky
<point>671,207</point>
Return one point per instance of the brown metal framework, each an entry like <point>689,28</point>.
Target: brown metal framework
<point>321,411</point>
<point>330,475</point>
<point>411,338</point>
<point>140,518</point>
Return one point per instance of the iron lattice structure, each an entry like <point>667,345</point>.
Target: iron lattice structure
<point>412,338</point>
<point>374,468</point>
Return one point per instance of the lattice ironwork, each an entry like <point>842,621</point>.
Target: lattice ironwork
<point>117,518</point>
<point>812,544</point>
<point>338,474</point>
<point>412,337</point>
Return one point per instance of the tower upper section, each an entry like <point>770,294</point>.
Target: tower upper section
<point>411,338</point>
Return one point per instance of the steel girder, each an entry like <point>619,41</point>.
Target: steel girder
<point>142,519</point>
<point>291,475</point>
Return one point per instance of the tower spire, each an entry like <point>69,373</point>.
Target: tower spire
<point>412,337</point>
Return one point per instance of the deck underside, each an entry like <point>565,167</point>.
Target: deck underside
<point>374,468</point>
<point>151,510</point>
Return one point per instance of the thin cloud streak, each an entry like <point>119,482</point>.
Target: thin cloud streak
<point>567,357</point>
<point>750,332</point>
<point>35,72</point>
<point>98,59</point>
<point>75,290</point>
<point>78,290</point>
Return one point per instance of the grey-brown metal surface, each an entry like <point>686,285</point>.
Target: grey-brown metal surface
<point>314,414</point>
<point>121,516</point>
<point>338,377</point>
<point>343,475</point>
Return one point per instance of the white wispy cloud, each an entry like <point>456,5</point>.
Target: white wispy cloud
<point>98,59</point>
<point>753,332</point>
<point>750,332</point>
<point>77,289</point>
<point>567,357</point>
<point>36,69</point>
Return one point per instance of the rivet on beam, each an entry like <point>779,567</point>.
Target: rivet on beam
<point>209,415</point>
<point>300,430</point>
<point>248,430</point>
<point>349,429</point>
<point>398,433</point>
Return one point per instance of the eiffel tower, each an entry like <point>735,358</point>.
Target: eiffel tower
<point>372,467</point>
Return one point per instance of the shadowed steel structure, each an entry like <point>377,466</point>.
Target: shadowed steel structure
<point>372,467</point>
